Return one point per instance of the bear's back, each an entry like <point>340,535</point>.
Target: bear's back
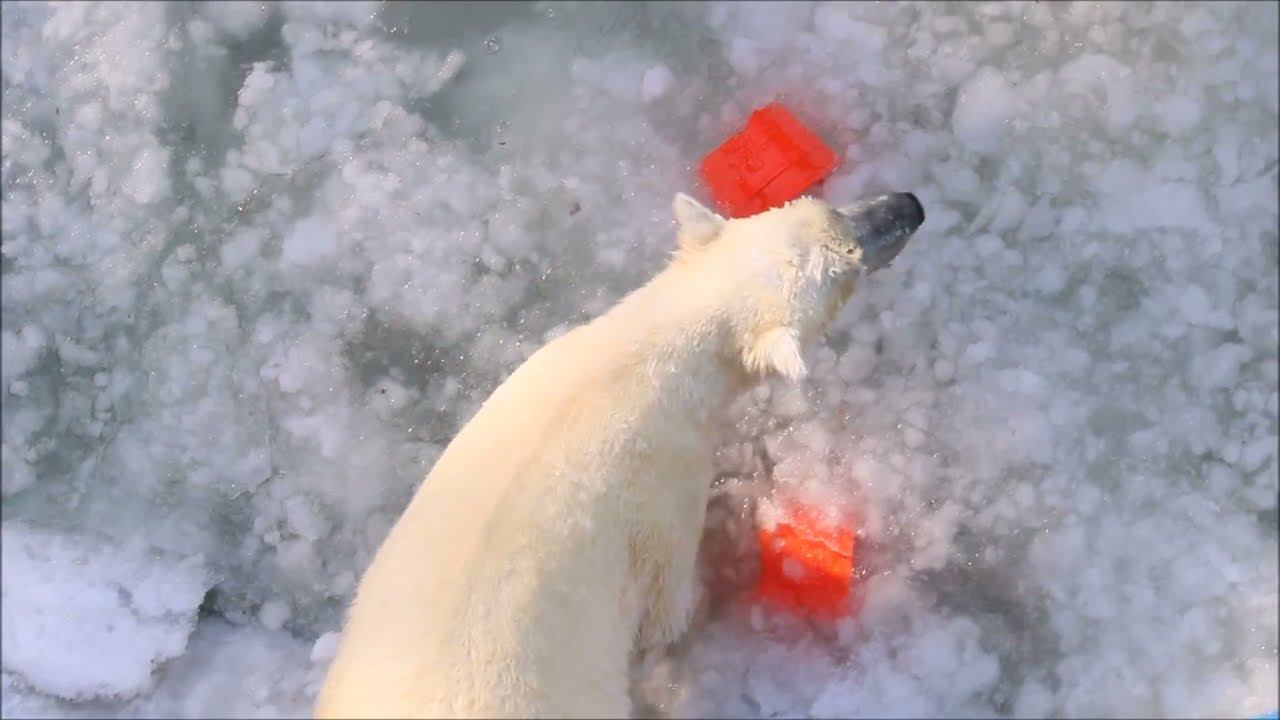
<point>516,519</point>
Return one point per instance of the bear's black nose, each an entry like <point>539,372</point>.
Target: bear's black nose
<point>893,213</point>
<point>881,226</point>
<point>918,217</point>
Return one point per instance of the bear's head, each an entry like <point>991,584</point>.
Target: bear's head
<point>789,270</point>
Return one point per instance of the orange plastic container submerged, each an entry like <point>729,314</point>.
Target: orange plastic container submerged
<point>773,159</point>
<point>806,565</point>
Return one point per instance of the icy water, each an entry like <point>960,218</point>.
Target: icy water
<point>259,263</point>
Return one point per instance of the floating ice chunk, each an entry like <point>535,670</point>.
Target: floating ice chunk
<point>1010,211</point>
<point>620,77</point>
<point>745,56</point>
<point>84,618</point>
<point>781,678</point>
<point>233,671</point>
<point>1033,700</point>
<point>1121,177</point>
<point>1091,74</point>
<point>771,24</point>
<point>1250,199</point>
<point>944,370</point>
<point>1197,308</point>
<point>274,614</point>
<point>656,82</point>
<point>833,21</point>
<point>147,181</point>
<point>253,89</point>
<point>16,474</point>
<point>311,242</point>
<point>1257,452</point>
<point>1039,221</point>
<point>985,107</point>
<point>357,13</point>
<point>790,402</point>
<point>1220,367</point>
<point>1132,198</point>
<point>959,182</point>
<point>857,363</point>
<point>304,519</point>
<point>450,67</point>
<point>1180,113</point>
<point>241,249</point>
<point>325,648</point>
<point>238,18</point>
<point>1171,204</point>
<point>19,350</point>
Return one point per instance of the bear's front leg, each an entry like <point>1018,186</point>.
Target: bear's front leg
<point>669,584</point>
<point>670,596</point>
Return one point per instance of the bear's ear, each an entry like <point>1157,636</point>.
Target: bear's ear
<point>777,350</point>
<point>697,225</point>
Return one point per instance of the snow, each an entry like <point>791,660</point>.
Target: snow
<point>261,260</point>
<point>67,607</point>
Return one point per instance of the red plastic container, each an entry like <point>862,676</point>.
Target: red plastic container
<point>773,159</point>
<point>806,565</point>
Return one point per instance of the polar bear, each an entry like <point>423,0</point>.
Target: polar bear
<point>558,531</point>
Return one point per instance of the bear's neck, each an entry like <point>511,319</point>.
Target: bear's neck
<point>686,336</point>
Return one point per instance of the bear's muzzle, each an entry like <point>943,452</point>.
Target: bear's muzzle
<point>881,226</point>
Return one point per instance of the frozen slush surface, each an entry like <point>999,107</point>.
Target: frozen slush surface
<point>260,261</point>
